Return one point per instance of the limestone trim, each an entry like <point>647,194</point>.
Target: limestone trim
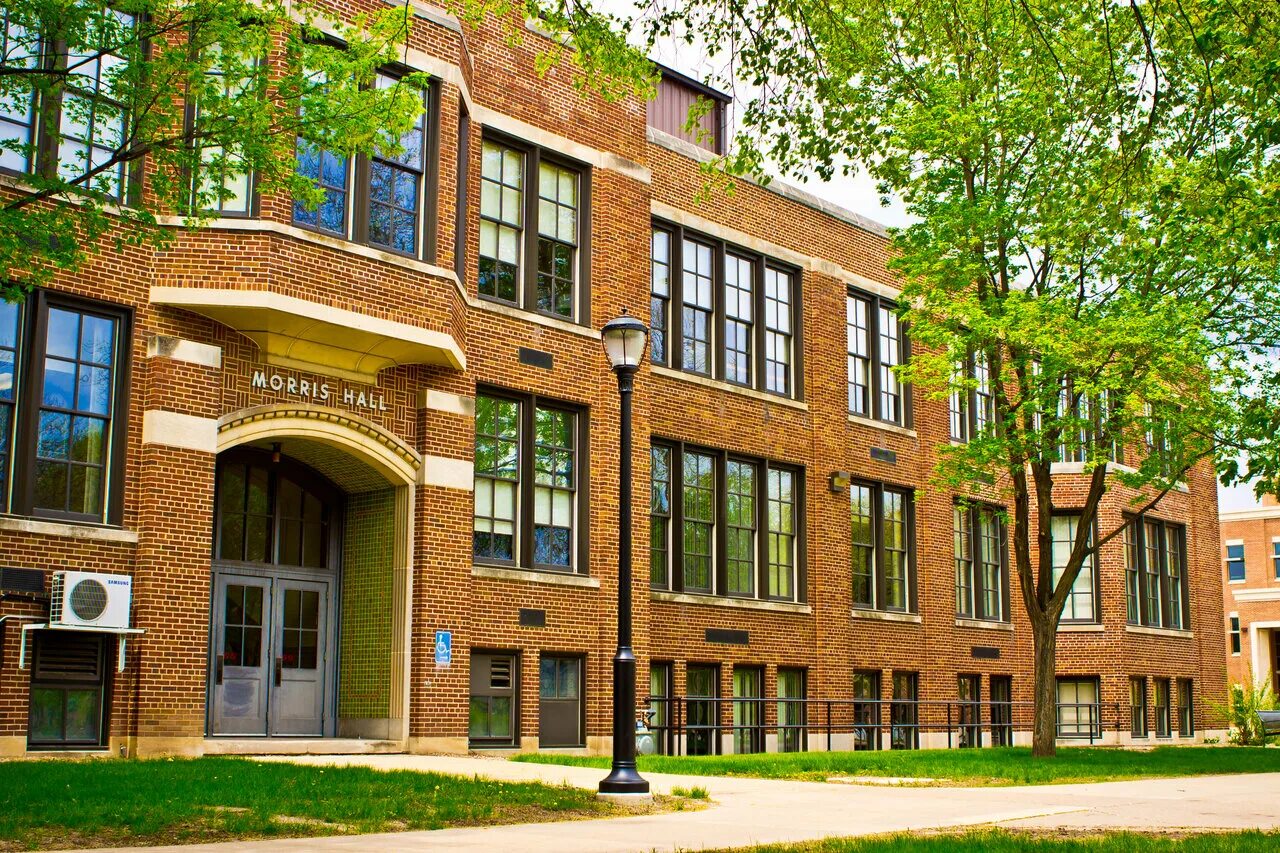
<point>984,624</point>
<point>444,401</point>
<point>168,346</point>
<point>447,473</point>
<point>1081,628</point>
<point>377,447</point>
<point>532,576</point>
<point>887,616</point>
<point>1249,515</point>
<point>1256,594</point>
<point>70,531</point>
<point>720,385</point>
<point>882,425</point>
<point>1150,630</point>
<point>174,429</point>
<point>729,601</point>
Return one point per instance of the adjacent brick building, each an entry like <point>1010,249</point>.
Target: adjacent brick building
<point>1251,593</point>
<point>360,464</point>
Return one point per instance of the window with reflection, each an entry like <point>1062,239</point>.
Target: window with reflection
<point>527,495</point>
<point>277,513</point>
<point>877,344</point>
<point>18,49</point>
<point>396,183</point>
<point>882,531</point>
<point>61,380</point>
<point>92,119</point>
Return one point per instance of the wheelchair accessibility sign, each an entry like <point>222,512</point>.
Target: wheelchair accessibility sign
<point>444,648</point>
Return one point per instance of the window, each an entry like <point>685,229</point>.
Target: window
<point>1162,707</point>
<point>660,710</point>
<point>904,732</point>
<point>276,513</point>
<point>723,312</point>
<point>1158,430</point>
<point>378,199</point>
<point>92,122</point>
<point>1235,562</point>
<point>492,717</point>
<point>792,715</point>
<point>1078,711</point>
<point>982,565</point>
<point>1275,558</point>
<point>972,407</point>
<point>560,701</point>
<point>1081,604</point>
<point>68,677</point>
<point>877,343</point>
<point>882,530</point>
<point>1155,575</point>
<point>1002,710</point>
<point>1235,634</point>
<point>1186,708</point>
<point>18,49</point>
<point>527,499</point>
<point>218,185</point>
<point>1138,706</point>
<point>702,733</point>
<point>969,693</point>
<point>751,503</point>
<point>532,207</point>
<point>748,710</point>
<point>63,368</point>
<point>866,709</point>
<point>659,295</point>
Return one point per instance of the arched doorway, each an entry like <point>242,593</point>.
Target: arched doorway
<point>276,575</point>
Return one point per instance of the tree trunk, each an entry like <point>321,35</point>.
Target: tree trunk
<point>1045,725</point>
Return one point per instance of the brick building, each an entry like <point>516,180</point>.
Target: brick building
<point>1251,592</point>
<point>315,439</point>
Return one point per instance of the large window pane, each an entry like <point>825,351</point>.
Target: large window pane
<point>501,221</point>
<point>740,536</point>
<point>1079,606</point>
<point>660,517</point>
<point>497,478</point>
<point>659,295</point>
<point>554,478</point>
<point>739,323</point>
<point>698,285</point>
<point>777,337</point>
<point>557,238</point>
<point>699,520</point>
<point>782,534</point>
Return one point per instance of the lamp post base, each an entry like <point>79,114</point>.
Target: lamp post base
<point>624,781</point>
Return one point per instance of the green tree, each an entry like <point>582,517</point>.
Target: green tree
<point>1094,195</point>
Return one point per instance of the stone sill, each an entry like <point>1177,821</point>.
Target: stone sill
<point>68,530</point>
<point>726,601</point>
<point>881,425</point>
<point>1159,632</point>
<point>720,385</point>
<point>1080,628</point>
<point>887,616</point>
<point>532,317</point>
<point>535,576</point>
<point>984,624</point>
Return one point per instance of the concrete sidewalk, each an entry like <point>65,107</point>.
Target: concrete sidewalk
<point>756,811</point>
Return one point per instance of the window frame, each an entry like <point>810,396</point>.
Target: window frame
<point>1163,713</point>
<point>33,152</point>
<point>28,402</point>
<point>1186,716</point>
<point>1094,721</point>
<point>527,266</point>
<point>1136,546</point>
<point>904,711</point>
<point>721,459</point>
<point>1138,706</point>
<point>971,409</point>
<point>102,682</point>
<point>523,550</point>
<point>191,117</point>
<point>761,265</point>
<point>875,366</point>
<point>879,581</point>
<point>1234,633</point>
<point>975,512</point>
<point>1240,561</point>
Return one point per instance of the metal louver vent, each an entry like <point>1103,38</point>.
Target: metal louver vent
<point>500,674</point>
<point>65,656</point>
<point>88,599</point>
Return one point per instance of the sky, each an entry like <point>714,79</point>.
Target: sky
<point>857,192</point>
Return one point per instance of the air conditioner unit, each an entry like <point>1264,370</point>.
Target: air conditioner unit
<point>90,600</point>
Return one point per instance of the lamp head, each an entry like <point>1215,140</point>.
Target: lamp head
<point>625,339</point>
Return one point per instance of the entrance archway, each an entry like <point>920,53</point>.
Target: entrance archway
<point>311,587</point>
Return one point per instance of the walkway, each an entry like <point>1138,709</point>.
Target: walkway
<point>754,811</point>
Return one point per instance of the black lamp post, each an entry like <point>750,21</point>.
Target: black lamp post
<point>624,341</point>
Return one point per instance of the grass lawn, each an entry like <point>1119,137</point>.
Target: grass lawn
<point>1001,841</point>
<point>65,804</point>
<point>1008,766</point>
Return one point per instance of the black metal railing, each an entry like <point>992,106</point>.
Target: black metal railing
<point>701,725</point>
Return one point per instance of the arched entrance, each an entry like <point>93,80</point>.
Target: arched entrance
<point>310,596</point>
<point>277,569</point>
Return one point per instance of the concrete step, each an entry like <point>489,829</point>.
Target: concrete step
<point>299,746</point>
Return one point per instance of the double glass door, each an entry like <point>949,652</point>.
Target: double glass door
<point>271,662</point>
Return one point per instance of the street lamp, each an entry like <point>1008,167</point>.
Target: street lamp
<point>625,339</point>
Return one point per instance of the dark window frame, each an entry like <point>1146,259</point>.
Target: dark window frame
<point>719,568</point>
<point>1233,632</point>
<point>1093,724</point>
<point>974,513</point>
<point>517,691</point>
<point>191,114</point>
<point>1136,546</point>
<point>879,579</point>
<point>1163,712</point>
<point>28,402</point>
<point>760,331</point>
<point>875,303</point>
<point>1186,707</point>
<point>525,464</point>
<point>796,738</point>
<point>1138,705</point>
<point>101,682</point>
<point>694,732</point>
<point>904,710</point>
<point>971,409</point>
<point>1233,561</point>
<point>866,710</point>
<point>527,266</point>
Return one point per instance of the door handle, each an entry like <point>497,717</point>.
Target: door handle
<point>279,671</point>
<point>217,669</point>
